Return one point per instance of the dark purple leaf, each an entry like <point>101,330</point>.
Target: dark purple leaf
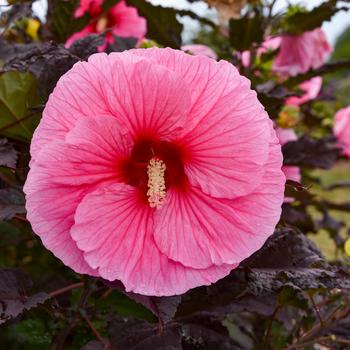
<point>14,286</point>
<point>11,203</point>
<point>8,155</point>
<point>129,334</point>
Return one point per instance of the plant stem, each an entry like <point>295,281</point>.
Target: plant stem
<point>66,289</point>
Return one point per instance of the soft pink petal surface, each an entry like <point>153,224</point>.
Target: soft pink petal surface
<point>342,129</point>
<point>311,89</point>
<point>299,53</point>
<point>224,123</point>
<point>115,231</point>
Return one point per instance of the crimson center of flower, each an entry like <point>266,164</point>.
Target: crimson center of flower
<point>154,167</point>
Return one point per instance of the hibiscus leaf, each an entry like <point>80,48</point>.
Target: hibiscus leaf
<point>121,44</point>
<point>85,47</point>
<point>162,307</point>
<point>14,286</point>
<point>246,31</point>
<point>93,345</point>
<point>8,155</point>
<point>60,19</point>
<point>162,25</point>
<point>133,334</point>
<point>18,93</point>
<point>11,203</point>
<point>302,21</point>
<point>312,153</point>
<point>47,61</point>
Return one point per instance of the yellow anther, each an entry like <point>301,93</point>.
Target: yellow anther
<point>156,183</point>
<point>102,24</point>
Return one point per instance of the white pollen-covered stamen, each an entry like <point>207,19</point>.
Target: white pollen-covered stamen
<point>156,182</point>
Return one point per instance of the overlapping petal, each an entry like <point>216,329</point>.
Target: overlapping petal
<point>114,228</point>
<point>221,231</point>
<point>225,121</point>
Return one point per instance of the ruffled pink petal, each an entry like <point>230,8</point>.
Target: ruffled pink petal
<point>342,129</point>
<point>93,152</point>
<point>198,230</point>
<point>311,88</point>
<point>128,23</point>
<point>227,132</point>
<point>115,230</point>
<point>197,49</point>
<point>64,173</point>
<point>155,103</point>
<point>299,53</point>
<point>50,210</point>
<point>88,30</point>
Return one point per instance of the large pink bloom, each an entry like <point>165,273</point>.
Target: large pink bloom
<point>156,168</point>
<point>342,129</point>
<point>299,53</point>
<point>285,136</point>
<point>311,89</point>
<point>121,19</point>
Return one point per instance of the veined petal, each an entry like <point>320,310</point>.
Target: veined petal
<point>50,210</point>
<point>227,131</point>
<point>146,98</point>
<point>221,231</point>
<point>114,228</point>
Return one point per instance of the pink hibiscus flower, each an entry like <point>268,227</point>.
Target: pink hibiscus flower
<point>342,129</point>
<point>311,88</point>
<point>299,53</point>
<point>285,136</point>
<point>122,20</point>
<point>156,168</point>
<point>197,49</point>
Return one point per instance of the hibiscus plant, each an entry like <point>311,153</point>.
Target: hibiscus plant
<point>162,188</point>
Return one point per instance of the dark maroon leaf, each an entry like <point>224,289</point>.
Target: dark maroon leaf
<point>47,61</point>
<point>309,152</point>
<point>85,47</point>
<point>11,203</point>
<point>130,334</point>
<point>8,155</point>
<point>93,345</point>
<point>14,286</point>
<point>162,307</point>
<point>205,331</point>
<point>121,44</point>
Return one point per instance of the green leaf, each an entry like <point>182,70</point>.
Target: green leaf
<point>18,93</point>
<point>162,25</point>
<point>303,21</point>
<point>246,31</point>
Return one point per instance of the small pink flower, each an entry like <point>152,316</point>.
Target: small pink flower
<point>311,88</point>
<point>299,53</point>
<point>271,43</point>
<point>291,172</point>
<point>156,168</point>
<point>122,20</point>
<point>197,49</point>
<point>342,129</point>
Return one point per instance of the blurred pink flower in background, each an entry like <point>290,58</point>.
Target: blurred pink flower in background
<point>156,168</point>
<point>299,53</point>
<point>270,44</point>
<point>121,19</point>
<point>291,172</point>
<point>198,49</point>
<point>311,88</point>
<point>342,129</point>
